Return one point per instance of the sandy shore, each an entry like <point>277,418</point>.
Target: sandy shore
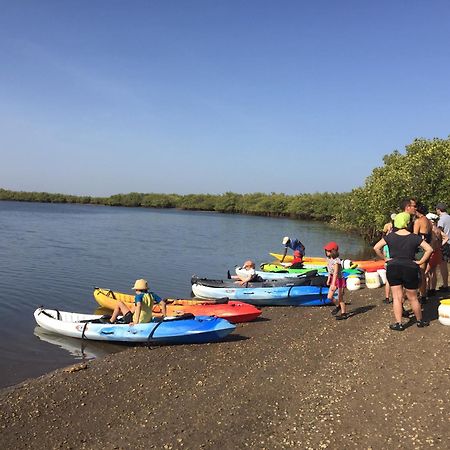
<point>296,378</point>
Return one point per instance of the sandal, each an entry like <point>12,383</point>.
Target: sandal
<point>397,326</point>
<point>342,316</point>
<point>422,323</point>
<point>335,310</point>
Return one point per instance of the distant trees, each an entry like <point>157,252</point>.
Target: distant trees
<point>422,172</point>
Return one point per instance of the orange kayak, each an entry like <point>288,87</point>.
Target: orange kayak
<point>367,265</point>
<point>233,311</point>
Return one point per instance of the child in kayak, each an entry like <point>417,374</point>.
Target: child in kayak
<point>141,311</point>
<point>297,262</point>
<point>250,274</point>
<point>335,280</point>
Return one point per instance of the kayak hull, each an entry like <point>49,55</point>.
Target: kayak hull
<point>170,331</point>
<point>269,296</point>
<point>233,311</point>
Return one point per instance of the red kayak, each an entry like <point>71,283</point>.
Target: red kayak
<point>233,311</point>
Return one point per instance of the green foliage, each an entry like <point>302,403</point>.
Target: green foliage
<point>422,172</point>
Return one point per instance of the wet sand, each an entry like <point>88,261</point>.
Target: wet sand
<point>295,378</point>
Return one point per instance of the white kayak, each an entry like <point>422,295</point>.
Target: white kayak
<point>174,330</point>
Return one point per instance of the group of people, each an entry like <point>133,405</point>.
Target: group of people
<point>414,244</point>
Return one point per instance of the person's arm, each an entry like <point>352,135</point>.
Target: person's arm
<point>428,250</point>
<point>163,308</point>
<point>284,254</point>
<point>416,228</point>
<point>335,275</point>
<point>444,237</point>
<point>378,248</point>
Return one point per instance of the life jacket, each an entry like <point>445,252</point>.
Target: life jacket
<point>146,309</point>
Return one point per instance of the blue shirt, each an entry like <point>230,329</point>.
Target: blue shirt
<point>138,297</point>
<point>295,244</point>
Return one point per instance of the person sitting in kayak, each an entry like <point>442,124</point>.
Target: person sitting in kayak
<point>250,274</point>
<point>141,311</point>
<point>296,246</point>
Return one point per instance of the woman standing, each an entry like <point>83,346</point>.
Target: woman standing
<point>423,228</point>
<point>402,269</point>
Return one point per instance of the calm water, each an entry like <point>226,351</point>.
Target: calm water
<point>53,255</point>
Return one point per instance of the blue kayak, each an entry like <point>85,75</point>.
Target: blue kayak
<point>271,295</point>
<point>172,330</point>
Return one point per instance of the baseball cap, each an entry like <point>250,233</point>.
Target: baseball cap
<point>285,240</point>
<point>331,246</point>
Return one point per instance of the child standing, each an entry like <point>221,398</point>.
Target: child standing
<point>335,280</point>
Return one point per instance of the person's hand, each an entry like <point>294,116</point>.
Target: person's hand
<point>131,324</point>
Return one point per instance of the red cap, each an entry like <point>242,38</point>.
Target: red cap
<point>331,246</point>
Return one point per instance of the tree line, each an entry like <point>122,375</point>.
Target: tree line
<point>423,172</point>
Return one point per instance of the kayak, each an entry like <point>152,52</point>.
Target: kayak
<point>276,271</point>
<point>171,330</point>
<point>234,312</point>
<point>264,294</point>
<point>367,265</point>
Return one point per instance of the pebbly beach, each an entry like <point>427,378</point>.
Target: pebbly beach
<point>295,378</point>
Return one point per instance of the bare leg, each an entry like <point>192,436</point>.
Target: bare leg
<point>387,290</point>
<point>397,296</point>
<point>341,300</point>
<point>444,273</point>
<point>423,283</point>
<point>414,302</point>
<point>120,308</point>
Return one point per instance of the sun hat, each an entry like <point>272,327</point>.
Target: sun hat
<point>441,206</point>
<point>402,220</point>
<point>331,246</point>
<point>432,216</point>
<point>285,240</point>
<point>140,285</point>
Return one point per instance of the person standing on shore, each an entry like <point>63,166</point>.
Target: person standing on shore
<point>335,280</point>
<point>444,225</point>
<point>402,268</point>
<point>422,227</point>
<point>388,227</point>
<point>296,246</point>
<point>438,240</point>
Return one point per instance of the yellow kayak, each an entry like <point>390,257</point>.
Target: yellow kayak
<point>369,265</point>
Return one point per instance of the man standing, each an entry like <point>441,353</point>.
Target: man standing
<point>444,225</point>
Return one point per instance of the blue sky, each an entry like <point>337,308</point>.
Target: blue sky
<point>102,97</point>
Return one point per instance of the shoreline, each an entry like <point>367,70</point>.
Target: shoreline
<point>295,378</point>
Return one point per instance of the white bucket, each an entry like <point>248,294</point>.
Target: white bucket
<point>444,312</point>
<point>382,273</point>
<point>353,283</point>
<point>348,264</point>
<point>372,280</point>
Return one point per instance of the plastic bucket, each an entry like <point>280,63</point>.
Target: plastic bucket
<point>353,283</point>
<point>444,312</point>
<point>372,280</point>
<point>382,273</point>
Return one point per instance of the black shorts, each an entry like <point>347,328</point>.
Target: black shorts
<point>406,276</point>
<point>128,317</point>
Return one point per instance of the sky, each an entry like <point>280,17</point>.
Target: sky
<point>99,97</point>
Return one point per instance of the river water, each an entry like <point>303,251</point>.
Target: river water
<point>54,254</point>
